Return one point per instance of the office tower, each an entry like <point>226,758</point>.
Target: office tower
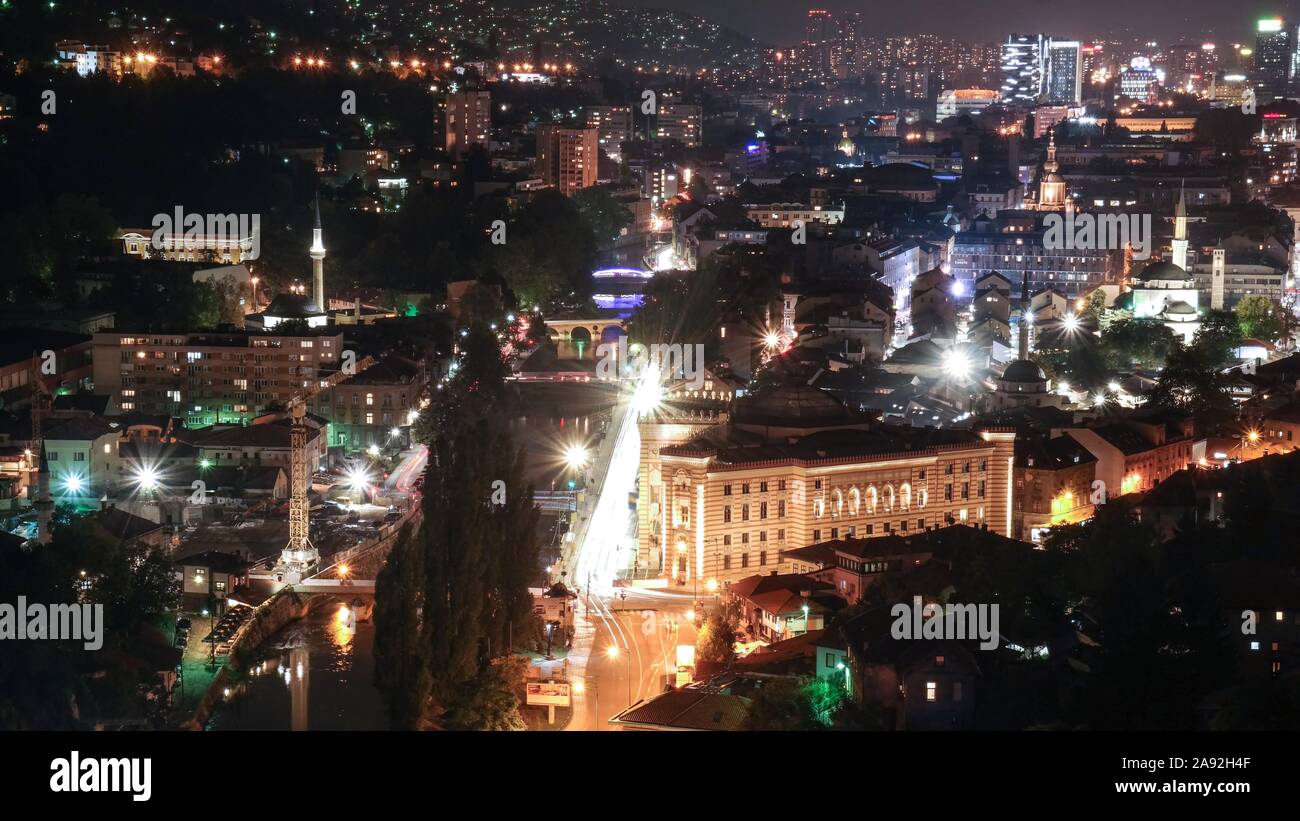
<point>820,36</point>
<point>1064,72</point>
<point>846,56</point>
<point>613,124</point>
<point>1140,81</point>
<point>567,157</point>
<point>1022,68</point>
<point>469,121</point>
<point>1274,43</point>
<point>676,121</point>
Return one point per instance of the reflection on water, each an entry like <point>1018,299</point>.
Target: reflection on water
<point>315,674</point>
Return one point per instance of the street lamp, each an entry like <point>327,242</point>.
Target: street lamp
<point>805,619</point>
<point>612,653</point>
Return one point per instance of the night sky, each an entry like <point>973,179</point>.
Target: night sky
<point>781,21</point>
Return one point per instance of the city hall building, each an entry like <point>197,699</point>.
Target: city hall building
<point>795,466</point>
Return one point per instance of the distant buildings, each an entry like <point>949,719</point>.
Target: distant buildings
<point>956,102</point>
<point>567,158</point>
<point>207,378</point>
<point>680,122</point>
<point>613,124</point>
<point>468,122</point>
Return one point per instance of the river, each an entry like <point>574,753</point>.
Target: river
<point>316,674</point>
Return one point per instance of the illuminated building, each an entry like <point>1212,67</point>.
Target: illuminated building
<point>721,499</point>
<point>468,122</point>
<point>1274,47</point>
<point>1054,479</point>
<point>209,378</point>
<point>613,124</point>
<point>786,214</point>
<point>1022,67</point>
<point>1064,72</point>
<point>680,122</point>
<point>1140,81</point>
<point>567,158</point>
<point>959,101</point>
<point>1051,186</point>
<point>1137,453</point>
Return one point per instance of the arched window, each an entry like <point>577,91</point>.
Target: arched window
<point>889,497</point>
<point>873,499</point>
<point>906,493</point>
<point>838,497</point>
<point>855,501</point>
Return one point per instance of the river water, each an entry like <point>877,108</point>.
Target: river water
<point>316,674</point>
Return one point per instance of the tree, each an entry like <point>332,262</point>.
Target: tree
<point>604,216</point>
<point>716,642</point>
<point>1218,337</point>
<point>782,704</point>
<point>490,700</point>
<point>1141,343</point>
<point>401,652</point>
<point>466,595</point>
<point>1259,318</point>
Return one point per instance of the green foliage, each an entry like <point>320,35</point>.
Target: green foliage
<point>716,641</point>
<point>603,215</point>
<point>1137,343</point>
<point>476,558</point>
<point>489,700</point>
<point>1260,317</point>
<point>41,682</point>
<point>1218,338</point>
<point>401,653</point>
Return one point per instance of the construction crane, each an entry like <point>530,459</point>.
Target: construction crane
<point>43,503</point>
<point>300,556</point>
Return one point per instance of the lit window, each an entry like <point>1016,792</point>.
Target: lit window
<point>931,691</point>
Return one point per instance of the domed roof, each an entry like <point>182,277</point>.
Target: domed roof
<point>1180,307</point>
<point>1163,271</point>
<point>1023,370</point>
<point>293,306</point>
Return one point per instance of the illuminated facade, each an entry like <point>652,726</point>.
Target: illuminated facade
<point>796,467</point>
<point>567,158</point>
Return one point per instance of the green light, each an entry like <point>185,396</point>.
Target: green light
<point>205,463</point>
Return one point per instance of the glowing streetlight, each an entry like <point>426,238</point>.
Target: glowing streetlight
<point>772,339</point>
<point>575,456</point>
<point>649,392</point>
<point>357,478</point>
<point>73,483</point>
<point>373,450</point>
<point>711,585</point>
<point>611,652</point>
<point>1070,322</point>
<point>1252,436</point>
<point>395,432</point>
<point>955,364</point>
<point>146,478</point>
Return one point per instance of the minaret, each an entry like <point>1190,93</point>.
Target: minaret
<point>1180,233</point>
<point>317,253</point>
